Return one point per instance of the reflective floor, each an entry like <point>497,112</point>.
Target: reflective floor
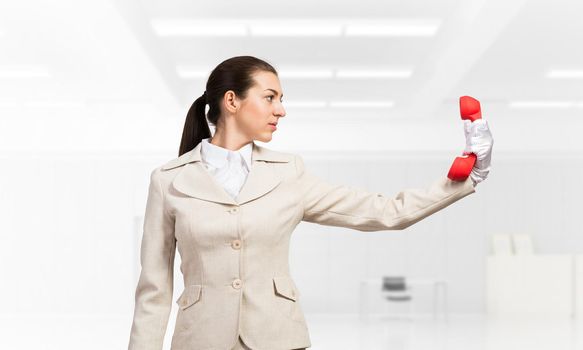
<point>458,332</point>
<point>328,332</point>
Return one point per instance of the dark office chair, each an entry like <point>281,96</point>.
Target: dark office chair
<point>396,289</point>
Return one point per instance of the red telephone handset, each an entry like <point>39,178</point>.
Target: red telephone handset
<point>462,166</point>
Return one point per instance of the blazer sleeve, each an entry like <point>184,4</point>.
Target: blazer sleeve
<point>153,295</point>
<point>337,205</point>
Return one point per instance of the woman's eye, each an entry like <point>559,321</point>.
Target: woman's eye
<point>272,96</point>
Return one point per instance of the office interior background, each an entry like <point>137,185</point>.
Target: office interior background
<point>94,94</point>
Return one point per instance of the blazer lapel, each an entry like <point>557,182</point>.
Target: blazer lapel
<point>262,178</point>
<point>195,181</point>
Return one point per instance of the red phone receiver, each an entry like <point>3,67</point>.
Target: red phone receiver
<point>462,166</point>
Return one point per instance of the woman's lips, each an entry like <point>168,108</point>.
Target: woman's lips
<point>273,126</point>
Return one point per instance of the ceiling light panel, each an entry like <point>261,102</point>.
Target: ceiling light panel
<point>182,27</point>
<point>191,73</point>
<point>362,104</point>
<point>296,27</point>
<point>413,27</point>
<point>375,74</point>
<point>24,71</point>
<point>565,74</point>
<point>186,72</point>
<point>541,104</point>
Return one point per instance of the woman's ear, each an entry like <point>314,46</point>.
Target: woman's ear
<point>231,101</point>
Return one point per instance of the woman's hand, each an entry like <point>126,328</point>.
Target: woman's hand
<point>479,141</point>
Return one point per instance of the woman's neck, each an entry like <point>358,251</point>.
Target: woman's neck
<point>230,143</point>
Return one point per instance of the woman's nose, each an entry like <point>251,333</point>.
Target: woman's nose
<point>280,111</point>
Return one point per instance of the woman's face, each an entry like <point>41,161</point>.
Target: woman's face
<point>262,106</point>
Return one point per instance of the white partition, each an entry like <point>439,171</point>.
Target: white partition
<point>530,285</point>
<point>502,244</point>
<point>578,286</point>
<point>522,244</point>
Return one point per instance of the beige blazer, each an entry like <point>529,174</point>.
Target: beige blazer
<point>235,252</point>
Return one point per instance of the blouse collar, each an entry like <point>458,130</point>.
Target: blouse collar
<point>218,156</point>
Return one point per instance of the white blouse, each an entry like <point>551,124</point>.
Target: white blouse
<point>229,168</point>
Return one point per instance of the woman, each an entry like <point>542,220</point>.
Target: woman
<point>229,206</point>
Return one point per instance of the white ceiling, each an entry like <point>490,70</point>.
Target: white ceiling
<point>108,82</point>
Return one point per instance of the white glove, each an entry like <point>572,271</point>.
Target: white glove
<point>479,141</point>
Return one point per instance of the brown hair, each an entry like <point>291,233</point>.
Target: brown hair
<point>234,74</point>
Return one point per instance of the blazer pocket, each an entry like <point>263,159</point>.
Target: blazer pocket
<point>284,286</point>
<point>189,296</point>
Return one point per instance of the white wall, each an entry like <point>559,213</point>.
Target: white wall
<point>71,226</point>
<point>524,194</point>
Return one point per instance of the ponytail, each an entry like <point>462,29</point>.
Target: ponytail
<point>196,127</point>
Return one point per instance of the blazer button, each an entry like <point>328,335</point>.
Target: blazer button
<point>237,283</point>
<point>236,244</point>
<point>233,210</point>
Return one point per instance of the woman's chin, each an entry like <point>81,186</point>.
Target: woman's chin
<point>264,138</point>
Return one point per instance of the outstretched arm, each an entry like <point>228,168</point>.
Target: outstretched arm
<point>337,205</point>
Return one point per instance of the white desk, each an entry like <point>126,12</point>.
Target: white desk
<point>530,285</point>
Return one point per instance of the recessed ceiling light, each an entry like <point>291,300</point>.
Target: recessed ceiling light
<point>402,27</point>
<point>565,74</point>
<point>185,27</point>
<point>541,104</point>
<point>305,104</point>
<point>395,73</point>
<point>295,27</point>
<point>24,71</point>
<point>362,104</point>
<point>305,73</point>
<point>191,73</point>
<point>52,102</point>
